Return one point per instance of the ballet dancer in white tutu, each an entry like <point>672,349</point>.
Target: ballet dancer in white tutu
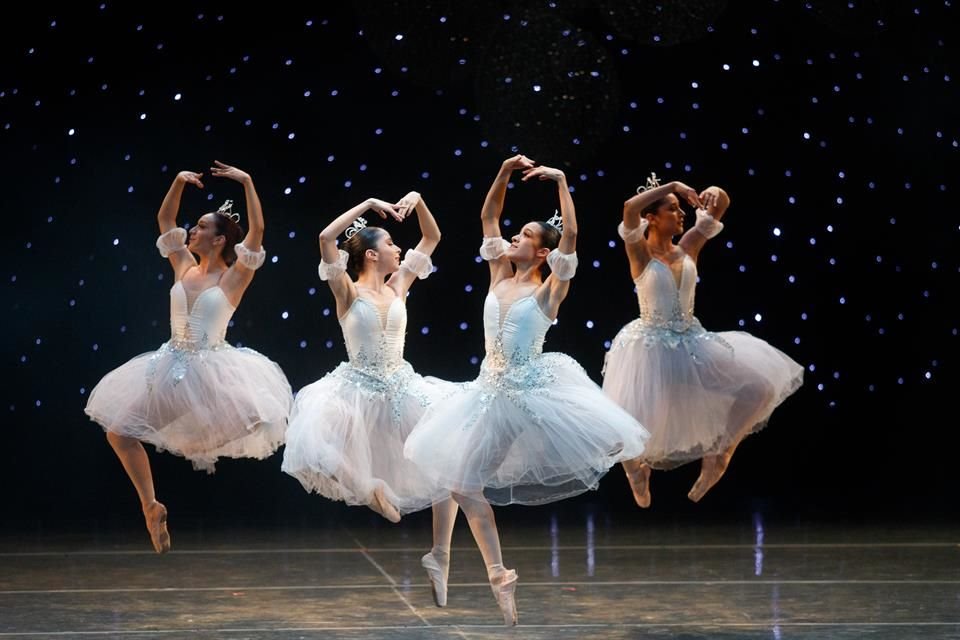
<point>197,396</point>
<point>699,393</point>
<point>347,430</point>
<point>533,428</point>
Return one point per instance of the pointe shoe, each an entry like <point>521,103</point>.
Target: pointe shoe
<point>640,485</point>
<point>381,505</point>
<point>709,476</point>
<point>505,592</point>
<point>438,579</point>
<point>156,516</point>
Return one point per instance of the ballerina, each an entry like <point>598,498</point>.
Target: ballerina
<point>698,392</point>
<point>533,428</point>
<point>347,430</point>
<point>197,396</point>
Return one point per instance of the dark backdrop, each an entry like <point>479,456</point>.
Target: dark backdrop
<point>833,128</point>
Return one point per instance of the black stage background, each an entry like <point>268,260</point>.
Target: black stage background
<point>833,128</point>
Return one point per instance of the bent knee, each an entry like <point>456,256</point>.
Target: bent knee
<point>759,393</point>
<point>122,442</point>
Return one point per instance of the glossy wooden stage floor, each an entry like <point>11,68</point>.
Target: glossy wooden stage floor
<point>590,575</point>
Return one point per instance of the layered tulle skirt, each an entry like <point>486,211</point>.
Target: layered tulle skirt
<point>347,433</point>
<point>202,404</point>
<point>526,432</point>
<point>696,392</point>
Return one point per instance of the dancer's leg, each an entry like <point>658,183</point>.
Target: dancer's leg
<point>752,400</point>
<point>437,562</point>
<point>638,473</point>
<point>484,528</point>
<point>135,462</point>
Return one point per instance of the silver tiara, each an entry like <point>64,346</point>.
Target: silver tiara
<point>358,225</point>
<point>556,221</point>
<point>226,209</point>
<point>652,183</point>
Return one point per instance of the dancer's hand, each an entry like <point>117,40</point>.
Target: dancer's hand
<point>407,204</point>
<point>687,193</point>
<point>543,173</point>
<point>518,161</point>
<point>190,177</point>
<point>384,208</point>
<point>221,170</point>
<point>710,197</point>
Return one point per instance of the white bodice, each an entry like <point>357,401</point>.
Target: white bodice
<point>663,304</point>
<point>522,332</point>
<point>204,324</point>
<point>374,339</point>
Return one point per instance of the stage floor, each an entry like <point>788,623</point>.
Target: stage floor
<point>582,575</point>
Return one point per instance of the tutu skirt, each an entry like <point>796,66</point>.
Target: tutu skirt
<point>201,404</point>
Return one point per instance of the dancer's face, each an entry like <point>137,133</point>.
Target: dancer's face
<point>668,219</point>
<point>525,246</point>
<point>385,256</point>
<point>203,236</point>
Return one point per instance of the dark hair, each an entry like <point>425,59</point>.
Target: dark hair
<point>232,233</point>
<point>549,235</point>
<point>653,206</point>
<point>549,239</point>
<point>356,246</point>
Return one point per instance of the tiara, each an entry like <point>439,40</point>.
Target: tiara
<point>358,225</point>
<point>556,221</point>
<point>226,210</point>
<point>652,183</point>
